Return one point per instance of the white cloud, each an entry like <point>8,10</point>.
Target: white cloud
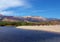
<point>4,4</point>
<point>6,12</point>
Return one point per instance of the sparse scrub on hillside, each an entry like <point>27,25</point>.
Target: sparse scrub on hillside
<point>27,23</point>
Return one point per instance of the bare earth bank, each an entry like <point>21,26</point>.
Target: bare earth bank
<point>50,28</point>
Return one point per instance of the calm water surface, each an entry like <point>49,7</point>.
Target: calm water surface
<point>12,34</point>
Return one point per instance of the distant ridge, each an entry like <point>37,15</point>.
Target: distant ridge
<point>26,18</point>
<point>1,15</point>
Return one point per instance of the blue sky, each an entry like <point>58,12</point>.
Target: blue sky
<point>45,8</point>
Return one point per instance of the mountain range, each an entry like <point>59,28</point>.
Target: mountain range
<point>27,19</point>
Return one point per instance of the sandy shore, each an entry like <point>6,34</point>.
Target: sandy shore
<point>51,28</point>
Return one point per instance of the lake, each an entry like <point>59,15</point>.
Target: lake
<point>13,34</point>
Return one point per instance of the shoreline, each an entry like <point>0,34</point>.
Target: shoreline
<point>49,28</point>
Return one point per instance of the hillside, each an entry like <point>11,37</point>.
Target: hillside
<point>28,20</point>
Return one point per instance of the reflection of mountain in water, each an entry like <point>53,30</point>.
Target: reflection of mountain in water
<point>12,34</point>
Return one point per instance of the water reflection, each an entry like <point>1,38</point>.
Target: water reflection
<point>12,34</point>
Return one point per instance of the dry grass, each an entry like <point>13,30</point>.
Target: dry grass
<point>50,28</point>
